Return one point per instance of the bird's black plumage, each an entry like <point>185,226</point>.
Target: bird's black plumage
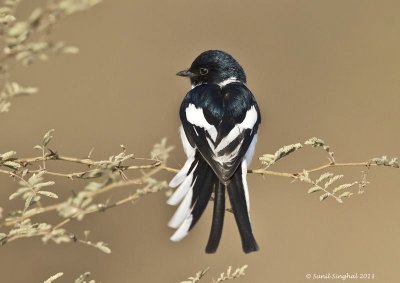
<point>224,108</point>
<point>220,119</point>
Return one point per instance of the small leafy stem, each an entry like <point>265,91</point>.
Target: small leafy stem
<point>339,192</point>
<point>104,176</point>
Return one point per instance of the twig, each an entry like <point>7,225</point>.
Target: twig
<point>41,210</point>
<point>316,169</point>
<point>157,163</point>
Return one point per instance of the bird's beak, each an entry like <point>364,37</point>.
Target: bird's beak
<point>185,73</point>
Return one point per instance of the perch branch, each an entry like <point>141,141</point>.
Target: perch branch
<point>112,172</point>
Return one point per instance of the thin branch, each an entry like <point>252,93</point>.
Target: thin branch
<point>25,162</point>
<point>316,169</point>
<point>85,161</point>
<point>156,166</point>
<point>157,163</point>
<point>53,207</point>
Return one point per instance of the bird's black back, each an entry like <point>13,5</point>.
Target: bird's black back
<point>224,108</point>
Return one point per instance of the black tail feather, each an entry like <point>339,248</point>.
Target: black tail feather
<point>218,217</point>
<point>204,182</point>
<point>239,208</point>
<point>202,190</point>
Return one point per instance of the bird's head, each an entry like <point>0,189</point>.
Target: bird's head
<point>214,66</point>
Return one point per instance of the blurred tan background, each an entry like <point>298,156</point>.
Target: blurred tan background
<point>317,68</point>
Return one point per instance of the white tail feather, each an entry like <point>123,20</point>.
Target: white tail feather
<point>182,212</point>
<point>182,174</point>
<point>244,182</point>
<point>182,230</point>
<point>181,192</point>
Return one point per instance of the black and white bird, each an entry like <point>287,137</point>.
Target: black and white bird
<point>220,119</point>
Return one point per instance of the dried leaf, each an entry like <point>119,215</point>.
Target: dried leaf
<point>103,247</point>
<point>323,177</point>
<point>315,142</point>
<point>269,159</point>
<point>18,29</point>
<point>305,177</point>
<point>332,180</point>
<point>24,172</point>
<point>35,16</point>
<point>48,194</point>
<point>70,50</point>
<point>345,194</point>
<point>54,277</point>
<point>161,150</point>
<point>343,187</point>
<point>394,162</point>
<point>47,137</point>
<point>19,192</point>
<point>12,165</point>
<point>82,278</point>
<point>36,178</point>
<point>8,155</point>
<point>286,150</point>
<point>197,277</point>
<point>45,184</point>
<point>323,196</point>
<point>314,189</point>
<point>29,200</point>
<point>228,275</point>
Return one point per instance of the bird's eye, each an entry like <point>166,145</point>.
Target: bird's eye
<point>203,71</point>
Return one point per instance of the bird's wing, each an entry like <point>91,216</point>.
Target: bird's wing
<point>221,123</point>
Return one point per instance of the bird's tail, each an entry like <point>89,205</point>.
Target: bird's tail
<point>239,198</point>
<point>195,183</point>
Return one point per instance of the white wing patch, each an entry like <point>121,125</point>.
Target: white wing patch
<point>222,159</point>
<point>189,150</point>
<point>195,116</point>
<point>248,123</point>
